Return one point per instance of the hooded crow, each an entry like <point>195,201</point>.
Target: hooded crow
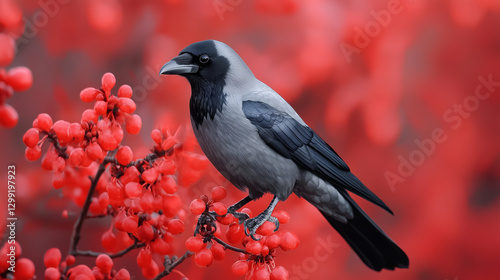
<point>260,144</point>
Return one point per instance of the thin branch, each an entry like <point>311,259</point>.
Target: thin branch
<point>169,266</point>
<point>227,246</point>
<point>75,238</point>
<point>116,255</point>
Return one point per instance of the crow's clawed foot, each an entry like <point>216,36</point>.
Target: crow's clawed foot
<point>251,225</point>
<point>238,215</point>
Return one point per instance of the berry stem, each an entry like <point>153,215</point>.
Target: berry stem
<point>116,255</point>
<point>61,151</point>
<point>170,264</point>
<point>227,246</point>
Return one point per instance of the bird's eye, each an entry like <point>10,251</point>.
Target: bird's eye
<point>204,58</point>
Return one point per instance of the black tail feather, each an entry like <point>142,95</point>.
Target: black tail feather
<point>371,244</point>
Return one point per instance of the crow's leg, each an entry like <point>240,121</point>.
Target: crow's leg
<point>251,225</point>
<point>239,215</point>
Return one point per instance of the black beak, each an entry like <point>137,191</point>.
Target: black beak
<point>179,65</point>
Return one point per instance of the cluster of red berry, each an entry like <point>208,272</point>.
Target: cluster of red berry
<point>103,176</point>
<point>257,259</point>
<point>17,78</point>
<point>103,268</point>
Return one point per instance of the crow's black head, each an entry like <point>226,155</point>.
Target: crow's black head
<point>199,62</point>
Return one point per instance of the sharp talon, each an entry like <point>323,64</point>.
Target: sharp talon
<point>275,221</point>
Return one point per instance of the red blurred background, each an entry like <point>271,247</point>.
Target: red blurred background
<point>377,79</point>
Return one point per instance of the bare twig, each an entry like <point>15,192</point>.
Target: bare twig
<point>75,238</point>
<point>171,264</point>
<point>227,246</point>
<point>116,255</point>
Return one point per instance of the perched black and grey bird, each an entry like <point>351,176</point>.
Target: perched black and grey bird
<point>258,142</point>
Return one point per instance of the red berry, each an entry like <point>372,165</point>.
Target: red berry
<point>160,246</point>
<point>127,105</point>
<point>125,91</point>
<point>131,175</point>
<point>273,241</point>
<point>218,193</point>
<point>70,260</point>
<point>107,140</point>
<point>145,232</point>
<point>220,208</point>
<point>31,137</point>
<point>150,175</point>
<point>235,233</point>
<point>240,267</point>
<point>90,115</point>
<point>124,155</point>
<point>289,241</point>
<point>58,164</point>
<point>226,220</point>
<point>175,226</point>
<point>76,132</point>
<point>44,122</point>
<point>20,78</point>
<point>94,151</point>
<point>109,241</point>
<point>129,224</point>
<point>8,115</point>
<point>80,272</point>
<point>104,199</point>
<point>282,216</point>
<point>89,94</point>
<point>104,263</point>
<point>151,270</point>
<point>194,244</point>
<point>52,257</point>
<point>133,123</point>
<point>261,273</point>
<point>33,153</point>
<point>218,251</point>
<point>122,274</point>
<point>168,143</point>
<point>76,157</point>
<point>253,247</point>
<point>279,273</point>
<point>133,189</point>
<point>25,269</point>
<point>203,258</point>
<point>156,136</point>
<point>61,128</point>
<point>265,250</point>
<point>167,167</point>
<point>144,257</point>
<point>197,206</point>
<point>266,229</point>
<point>52,273</point>
<point>168,184</point>
<point>101,107</point>
<point>108,81</point>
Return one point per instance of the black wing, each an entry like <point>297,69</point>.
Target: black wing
<point>301,144</point>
